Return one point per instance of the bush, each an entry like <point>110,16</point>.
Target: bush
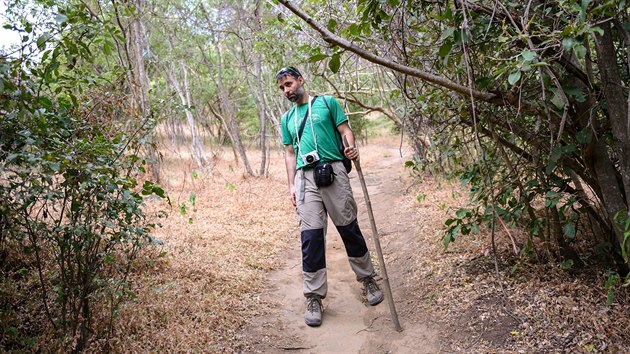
<point>71,212</point>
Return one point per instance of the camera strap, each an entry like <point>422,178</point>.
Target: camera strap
<point>303,123</point>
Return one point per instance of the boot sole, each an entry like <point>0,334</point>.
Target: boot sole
<point>378,301</point>
<point>313,323</point>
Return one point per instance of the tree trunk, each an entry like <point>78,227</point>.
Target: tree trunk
<point>228,112</point>
<point>616,103</point>
<point>196,146</point>
<point>260,97</point>
<point>615,186</point>
<point>139,86</point>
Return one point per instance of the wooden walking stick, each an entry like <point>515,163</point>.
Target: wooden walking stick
<point>377,243</point>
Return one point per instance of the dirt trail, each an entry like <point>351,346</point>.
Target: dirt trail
<point>349,324</point>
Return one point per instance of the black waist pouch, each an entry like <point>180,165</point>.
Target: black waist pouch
<point>324,174</point>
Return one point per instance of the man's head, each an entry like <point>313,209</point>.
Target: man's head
<point>291,82</point>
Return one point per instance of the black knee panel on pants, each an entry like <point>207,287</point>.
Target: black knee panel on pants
<point>353,239</point>
<point>313,250</point>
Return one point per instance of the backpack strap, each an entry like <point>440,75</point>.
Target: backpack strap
<point>332,120</point>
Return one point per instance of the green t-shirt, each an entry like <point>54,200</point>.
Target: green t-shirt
<point>325,139</point>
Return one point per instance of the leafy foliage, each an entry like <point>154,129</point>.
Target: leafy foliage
<point>71,205</point>
<point>538,150</point>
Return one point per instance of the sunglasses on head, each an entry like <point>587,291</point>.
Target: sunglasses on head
<point>289,70</point>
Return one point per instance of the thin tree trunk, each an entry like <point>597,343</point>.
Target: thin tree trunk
<point>228,112</point>
<point>227,109</point>
<point>261,97</point>
<point>139,86</point>
<point>196,146</point>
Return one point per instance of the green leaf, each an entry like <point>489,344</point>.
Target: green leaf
<point>445,49</point>
<point>317,57</point>
<point>611,297</point>
<point>332,25</point>
<point>462,212</point>
<point>483,82</point>
<point>552,198</point>
<point>583,136</point>
<point>567,44</point>
<point>576,92</point>
<point>569,230</point>
<point>447,33</point>
<point>354,30</point>
<point>447,240</point>
<point>149,188</point>
<point>528,55</point>
<point>600,31</point>
<point>335,63</point>
<point>61,18</point>
<point>566,264</point>
<point>514,77</point>
<point>557,99</point>
<point>580,51</point>
<point>41,41</point>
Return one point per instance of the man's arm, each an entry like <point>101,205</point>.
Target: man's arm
<point>350,151</point>
<point>290,163</point>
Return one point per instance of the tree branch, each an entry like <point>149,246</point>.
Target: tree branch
<point>495,98</point>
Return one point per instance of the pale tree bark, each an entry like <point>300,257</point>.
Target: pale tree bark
<point>228,111</point>
<point>139,85</point>
<point>197,148</point>
<point>223,126</point>
<point>274,106</point>
<point>227,108</point>
<point>260,95</point>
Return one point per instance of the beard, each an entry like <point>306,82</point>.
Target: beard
<point>294,97</point>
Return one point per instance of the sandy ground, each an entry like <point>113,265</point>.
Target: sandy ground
<point>349,324</point>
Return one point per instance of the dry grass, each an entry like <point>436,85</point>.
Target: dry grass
<point>530,308</point>
<point>202,291</point>
<point>202,294</point>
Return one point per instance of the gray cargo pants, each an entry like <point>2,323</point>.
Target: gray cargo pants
<point>313,205</point>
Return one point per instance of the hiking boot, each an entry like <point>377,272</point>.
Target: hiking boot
<point>373,294</point>
<point>313,313</point>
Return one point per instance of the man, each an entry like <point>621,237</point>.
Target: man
<point>311,130</point>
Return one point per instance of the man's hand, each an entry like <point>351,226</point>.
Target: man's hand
<point>289,160</point>
<point>351,152</point>
<point>347,137</point>
<point>292,194</point>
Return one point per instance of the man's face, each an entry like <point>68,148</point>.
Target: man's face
<point>293,88</point>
